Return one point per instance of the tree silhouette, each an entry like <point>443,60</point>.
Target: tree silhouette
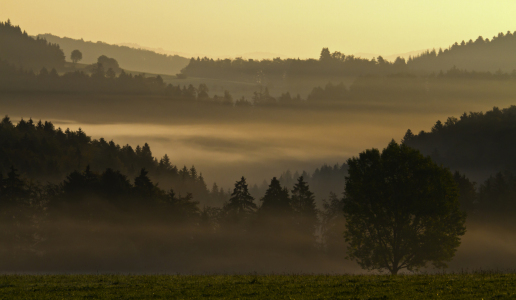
<point>144,187</point>
<point>76,56</point>
<point>333,225</point>
<point>401,209</point>
<point>182,208</point>
<point>12,188</point>
<point>325,55</point>
<point>276,200</point>
<point>241,204</point>
<point>303,204</point>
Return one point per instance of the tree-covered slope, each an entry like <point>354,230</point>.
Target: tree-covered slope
<point>479,55</point>
<point>45,153</point>
<point>18,48</point>
<point>129,58</point>
<point>477,143</point>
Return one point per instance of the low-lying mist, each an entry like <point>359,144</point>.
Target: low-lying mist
<point>225,143</point>
<point>90,240</point>
<point>144,244</point>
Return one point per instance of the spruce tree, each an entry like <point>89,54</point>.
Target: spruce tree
<point>303,204</point>
<point>143,186</point>
<point>276,199</point>
<point>241,202</point>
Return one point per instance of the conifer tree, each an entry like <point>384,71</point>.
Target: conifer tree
<point>241,202</point>
<point>276,199</point>
<point>303,204</point>
<point>143,186</point>
<point>12,187</point>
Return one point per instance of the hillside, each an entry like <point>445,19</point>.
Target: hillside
<point>40,151</point>
<point>140,60</point>
<point>478,144</point>
<point>479,55</point>
<point>21,50</point>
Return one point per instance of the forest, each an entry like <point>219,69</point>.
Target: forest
<point>378,80</point>
<point>34,215</point>
<point>109,185</point>
<point>482,55</point>
<point>279,145</point>
<point>133,59</point>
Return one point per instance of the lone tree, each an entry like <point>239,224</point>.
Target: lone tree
<point>76,56</point>
<point>401,209</point>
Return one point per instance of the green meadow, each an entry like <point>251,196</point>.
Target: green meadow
<point>483,285</point>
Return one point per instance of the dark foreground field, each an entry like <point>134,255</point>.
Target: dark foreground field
<point>456,286</point>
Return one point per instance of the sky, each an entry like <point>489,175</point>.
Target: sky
<point>290,28</point>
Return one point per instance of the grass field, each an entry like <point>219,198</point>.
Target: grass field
<point>448,286</point>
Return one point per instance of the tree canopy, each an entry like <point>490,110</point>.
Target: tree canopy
<point>401,209</point>
<point>76,56</point>
<point>22,50</point>
<point>241,204</point>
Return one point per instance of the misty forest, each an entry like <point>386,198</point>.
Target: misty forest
<point>115,158</point>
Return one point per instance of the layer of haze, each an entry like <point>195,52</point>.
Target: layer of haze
<point>293,28</point>
<point>226,143</point>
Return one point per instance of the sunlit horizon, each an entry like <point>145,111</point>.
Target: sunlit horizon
<point>232,28</point>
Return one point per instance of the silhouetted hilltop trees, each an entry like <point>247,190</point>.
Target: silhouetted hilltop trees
<point>100,81</point>
<point>139,60</point>
<point>108,64</point>
<point>452,85</point>
<point>24,51</point>
<point>479,55</point>
<point>45,153</point>
<point>106,77</point>
<point>476,143</point>
<point>334,64</point>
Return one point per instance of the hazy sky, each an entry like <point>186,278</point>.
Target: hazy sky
<point>295,28</point>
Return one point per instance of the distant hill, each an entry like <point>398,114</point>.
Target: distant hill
<point>478,144</point>
<point>479,55</point>
<point>133,59</point>
<point>22,50</point>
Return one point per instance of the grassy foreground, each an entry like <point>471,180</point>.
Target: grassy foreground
<point>456,286</point>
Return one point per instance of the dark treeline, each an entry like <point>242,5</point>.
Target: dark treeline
<point>108,212</point>
<point>140,60</point>
<point>478,144</point>
<point>23,51</point>
<point>107,220</point>
<point>100,81</point>
<point>454,84</point>
<point>324,181</point>
<point>22,56</point>
<point>482,146</point>
<point>32,65</point>
<point>44,153</point>
<point>479,55</point>
<point>329,65</point>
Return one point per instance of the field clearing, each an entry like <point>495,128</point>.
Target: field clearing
<point>481,285</point>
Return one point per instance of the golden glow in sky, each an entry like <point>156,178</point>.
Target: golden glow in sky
<point>293,28</point>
